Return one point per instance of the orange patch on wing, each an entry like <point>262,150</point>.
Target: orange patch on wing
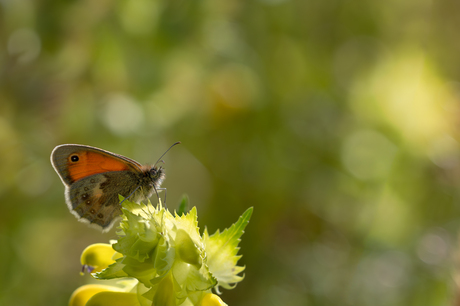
<point>90,163</point>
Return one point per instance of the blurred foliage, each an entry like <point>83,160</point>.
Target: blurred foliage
<point>337,120</point>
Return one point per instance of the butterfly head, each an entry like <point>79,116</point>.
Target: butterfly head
<point>157,175</point>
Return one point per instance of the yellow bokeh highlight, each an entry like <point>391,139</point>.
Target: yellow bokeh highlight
<point>405,92</point>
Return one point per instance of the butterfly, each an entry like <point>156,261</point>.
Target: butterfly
<point>93,179</point>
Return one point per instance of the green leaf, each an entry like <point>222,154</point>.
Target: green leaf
<point>193,278</point>
<point>113,271</point>
<point>142,271</point>
<point>222,249</point>
<point>183,206</point>
<point>164,256</point>
<point>166,291</point>
<point>189,268</point>
<point>138,241</point>
<point>186,249</point>
<point>189,223</point>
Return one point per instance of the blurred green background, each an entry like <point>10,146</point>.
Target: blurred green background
<point>337,120</point>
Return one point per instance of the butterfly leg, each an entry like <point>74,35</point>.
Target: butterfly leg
<point>130,194</point>
<point>160,189</point>
<point>164,189</point>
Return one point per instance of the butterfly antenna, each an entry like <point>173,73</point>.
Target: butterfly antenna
<point>176,143</point>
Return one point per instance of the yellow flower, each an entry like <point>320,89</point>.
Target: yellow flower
<point>211,299</point>
<point>82,295</point>
<point>98,256</point>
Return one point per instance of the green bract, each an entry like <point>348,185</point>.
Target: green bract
<point>170,261</point>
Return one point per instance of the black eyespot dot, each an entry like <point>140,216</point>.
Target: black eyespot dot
<point>100,216</point>
<point>84,196</point>
<point>88,202</point>
<point>92,211</point>
<point>74,158</point>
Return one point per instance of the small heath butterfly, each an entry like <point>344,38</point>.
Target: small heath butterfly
<point>94,178</point>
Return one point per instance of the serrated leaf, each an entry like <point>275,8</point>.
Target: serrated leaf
<point>222,249</point>
<point>166,291</point>
<point>142,271</point>
<point>113,271</point>
<point>189,223</point>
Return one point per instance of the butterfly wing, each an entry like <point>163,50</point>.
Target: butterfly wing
<point>88,202</point>
<point>94,178</point>
<point>74,162</point>
<point>94,199</point>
